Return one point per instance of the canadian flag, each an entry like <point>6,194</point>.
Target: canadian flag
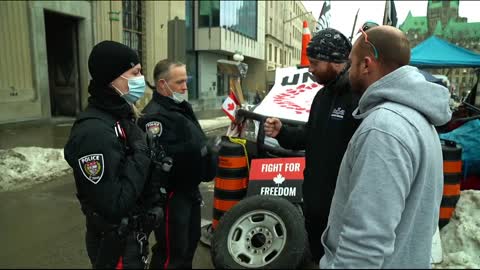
<point>230,105</point>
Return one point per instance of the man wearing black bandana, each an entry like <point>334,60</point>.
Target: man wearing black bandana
<point>327,132</point>
<point>108,154</point>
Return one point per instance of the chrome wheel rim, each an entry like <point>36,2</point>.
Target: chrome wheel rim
<point>257,238</point>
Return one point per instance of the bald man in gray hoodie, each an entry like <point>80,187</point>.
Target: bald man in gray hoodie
<point>386,203</point>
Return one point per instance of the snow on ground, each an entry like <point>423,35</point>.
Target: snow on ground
<point>22,167</point>
<point>461,236</point>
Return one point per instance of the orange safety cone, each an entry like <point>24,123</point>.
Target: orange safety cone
<point>305,40</point>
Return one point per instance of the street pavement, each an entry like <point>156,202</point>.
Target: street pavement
<point>43,226</point>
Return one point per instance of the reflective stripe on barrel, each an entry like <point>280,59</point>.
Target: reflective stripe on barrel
<point>451,190</point>
<point>230,184</point>
<point>232,162</point>
<point>452,166</point>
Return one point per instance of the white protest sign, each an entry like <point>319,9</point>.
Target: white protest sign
<point>291,96</point>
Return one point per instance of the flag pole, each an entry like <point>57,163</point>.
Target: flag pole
<point>354,23</point>
<point>385,13</point>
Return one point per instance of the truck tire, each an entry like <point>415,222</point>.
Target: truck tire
<point>260,232</point>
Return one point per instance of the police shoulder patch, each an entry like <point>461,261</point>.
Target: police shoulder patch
<point>92,167</point>
<point>154,127</point>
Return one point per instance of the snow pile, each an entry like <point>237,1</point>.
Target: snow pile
<point>461,236</point>
<point>21,167</point>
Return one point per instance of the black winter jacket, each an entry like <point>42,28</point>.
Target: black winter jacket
<point>181,136</point>
<point>108,177</point>
<point>325,138</point>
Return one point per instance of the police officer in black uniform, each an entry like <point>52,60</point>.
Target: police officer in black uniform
<point>169,118</point>
<point>110,160</point>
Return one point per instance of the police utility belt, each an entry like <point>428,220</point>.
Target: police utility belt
<point>114,236</point>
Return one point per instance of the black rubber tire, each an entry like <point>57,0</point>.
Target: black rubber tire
<point>289,257</point>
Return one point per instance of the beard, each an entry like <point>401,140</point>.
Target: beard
<point>357,84</point>
<point>326,76</point>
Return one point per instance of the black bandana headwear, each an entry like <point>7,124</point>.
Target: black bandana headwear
<point>329,45</point>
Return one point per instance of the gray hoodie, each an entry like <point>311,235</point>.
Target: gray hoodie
<point>386,204</point>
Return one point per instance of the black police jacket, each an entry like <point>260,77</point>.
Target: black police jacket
<point>179,133</point>
<point>108,178</point>
<point>325,138</point>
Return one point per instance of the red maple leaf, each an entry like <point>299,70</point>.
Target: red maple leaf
<point>231,106</point>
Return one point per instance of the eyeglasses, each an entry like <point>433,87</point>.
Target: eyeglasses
<point>365,27</point>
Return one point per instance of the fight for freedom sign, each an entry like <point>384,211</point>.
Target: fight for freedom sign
<point>281,177</point>
<point>291,95</point>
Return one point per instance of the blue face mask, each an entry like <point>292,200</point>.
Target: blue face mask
<point>136,89</point>
<point>177,97</point>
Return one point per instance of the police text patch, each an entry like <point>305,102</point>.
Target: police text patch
<point>154,127</point>
<point>92,167</point>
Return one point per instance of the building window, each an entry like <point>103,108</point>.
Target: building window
<point>275,54</point>
<point>281,56</point>
<point>239,16</point>
<point>209,13</point>
<point>222,84</point>
<point>133,26</point>
<point>270,52</point>
<point>271,26</point>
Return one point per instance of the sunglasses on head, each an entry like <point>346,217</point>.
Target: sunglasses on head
<point>366,26</point>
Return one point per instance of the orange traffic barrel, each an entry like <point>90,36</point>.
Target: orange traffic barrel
<point>452,175</point>
<point>231,180</point>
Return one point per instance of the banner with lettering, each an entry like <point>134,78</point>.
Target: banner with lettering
<point>291,96</point>
<point>282,177</point>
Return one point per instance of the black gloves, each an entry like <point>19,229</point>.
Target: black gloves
<point>211,159</point>
<point>136,138</point>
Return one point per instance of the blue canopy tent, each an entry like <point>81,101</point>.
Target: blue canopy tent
<point>435,52</point>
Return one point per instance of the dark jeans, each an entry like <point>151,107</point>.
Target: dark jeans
<point>315,224</point>
<point>177,238</point>
<point>131,258</point>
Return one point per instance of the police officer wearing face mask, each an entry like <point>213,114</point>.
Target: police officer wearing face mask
<point>110,159</point>
<point>170,121</point>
